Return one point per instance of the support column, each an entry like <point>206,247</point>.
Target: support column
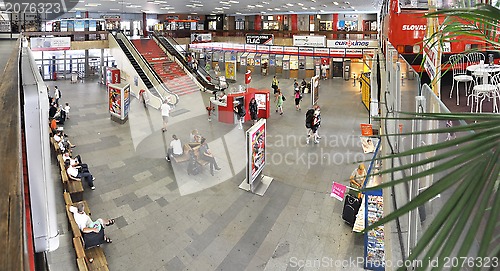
<point>101,66</point>
<point>64,63</point>
<point>144,25</point>
<point>294,20</point>
<point>87,66</point>
<point>258,22</point>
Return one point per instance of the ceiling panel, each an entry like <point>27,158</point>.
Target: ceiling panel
<point>229,7</point>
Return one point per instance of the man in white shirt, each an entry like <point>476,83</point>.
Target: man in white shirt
<point>175,148</point>
<point>86,225</point>
<point>165,113</point>
<point>79,172</point>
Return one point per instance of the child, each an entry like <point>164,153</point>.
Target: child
<point>66,109</point>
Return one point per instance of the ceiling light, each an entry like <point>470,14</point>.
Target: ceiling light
<point>171,11</point>
<point>290,5</point>
<point>250,6</point>
<point>277,9</point>
<point>234,2</point>
<point>133,6</point>
<point>224,2</point>
<point>114,9</point>
<point>259,6</point>
<point>313,8</point>
<point>336,3</point>
<point>225,7</point>
<point>304,8</point>
<point>270,9</point>
<point>266,3</point>
<point>218,8</point>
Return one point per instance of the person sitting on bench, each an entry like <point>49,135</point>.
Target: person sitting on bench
<point>92,231</point>
<point>175,148</point>
<point>207,155</point>
<point>79,172</point>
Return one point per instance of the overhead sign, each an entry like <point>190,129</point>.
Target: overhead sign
<point>260,39</point>
<point>50,44</point>
<point>313,41</point>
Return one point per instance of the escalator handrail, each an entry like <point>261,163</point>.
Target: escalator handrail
<point>213,85</point>
<point>153,72</point>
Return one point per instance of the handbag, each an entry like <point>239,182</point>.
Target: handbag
<point>283,97</point>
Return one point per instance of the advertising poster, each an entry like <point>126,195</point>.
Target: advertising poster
<point>92,25</point>
<point>64,25</point>
<point>256,150</point>
<point>374,239</point>
<point>231,70</point>
<point>338,191</point>
<point>115,106</point>
<point>50,44</point>
<point>261,101</point>
<point>126,101</point>
<point>315,89</point>
<point>79,25</point>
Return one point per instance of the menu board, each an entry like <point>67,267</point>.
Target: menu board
<point>374,239</point>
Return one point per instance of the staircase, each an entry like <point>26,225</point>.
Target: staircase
<point>172,75</point>
<point>136,66</point>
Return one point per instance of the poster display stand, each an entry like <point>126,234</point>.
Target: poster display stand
<point>315,90</point>
<point>119,101</point>
<point>255,182</point>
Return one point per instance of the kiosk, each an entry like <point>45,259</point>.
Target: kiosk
<point>111,75</point>
<point>302,68</point>
<point>243,62</point>
<point>119,101</point>
<point>223,107</point>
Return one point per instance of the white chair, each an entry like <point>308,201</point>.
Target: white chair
<point>458,64</point>
<point>475,59</point>
<point>495,94</point>
<point>483,91</point>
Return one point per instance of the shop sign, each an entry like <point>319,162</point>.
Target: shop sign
<point>290,50</point>
<point>313,41</point>
<point>251,48</point>
<point>276,49</point>
<point>110,17</point>
<point>206,37</point>
<point>321,52</point>
<point>337,52</point>
<point>50,44</point>
<point>352,43</point>
<point>354,52</point>
<point>263,49</point>
<point>260,39</point>
<point>305,51</point>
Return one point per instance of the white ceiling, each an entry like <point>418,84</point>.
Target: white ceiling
<point>229,7</point>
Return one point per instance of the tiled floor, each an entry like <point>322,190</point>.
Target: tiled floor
<point>167,220</point>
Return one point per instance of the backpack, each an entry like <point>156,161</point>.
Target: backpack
<point>309,117</point>
<point>242,111</point>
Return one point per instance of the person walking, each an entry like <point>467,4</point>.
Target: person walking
<point>57,95</point>
<point>313,116</point>
<point>279,102</point>
<point>253,107</point>
<point>274,84</point>
<point>165,113</point>
<point>239,110</point>
<point>298,98</point>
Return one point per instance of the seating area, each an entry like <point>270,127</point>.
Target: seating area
<point>86,259</point>
<point>186,148</point>
<point>482,81</point>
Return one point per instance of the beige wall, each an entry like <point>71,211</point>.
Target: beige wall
<point>93,44</point>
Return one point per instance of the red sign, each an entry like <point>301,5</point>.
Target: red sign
<point>366,129</point>
<point>248,77</point>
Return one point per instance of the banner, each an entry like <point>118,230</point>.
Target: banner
<point>50,44</point>
<point>256,150</point>
<point>115,101</point>
<point>260,39</point>
<point>338,191</point>
<point>351,43</point>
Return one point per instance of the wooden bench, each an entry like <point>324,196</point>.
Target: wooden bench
<point>86,259</point>
<point>73,186</point>
<point>185,154</point>
<point>57,149</point>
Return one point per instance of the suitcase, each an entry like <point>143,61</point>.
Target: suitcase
<point>193,167</point>
<point>351,208</point>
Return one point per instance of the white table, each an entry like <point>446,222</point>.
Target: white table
<point>486,68</point>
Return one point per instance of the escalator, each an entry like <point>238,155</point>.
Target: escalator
<point>136,66</point>
<point>144,70</point>
<point>208,82</point>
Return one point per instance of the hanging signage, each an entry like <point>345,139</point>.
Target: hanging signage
<point>260,39</point>
<point>251,48</point>
<point>50,44</point>
<point>337,52</point>
<point>276,49</point>
<point>338,191</point>
<point>313,41</point>
<point>110,17</point>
